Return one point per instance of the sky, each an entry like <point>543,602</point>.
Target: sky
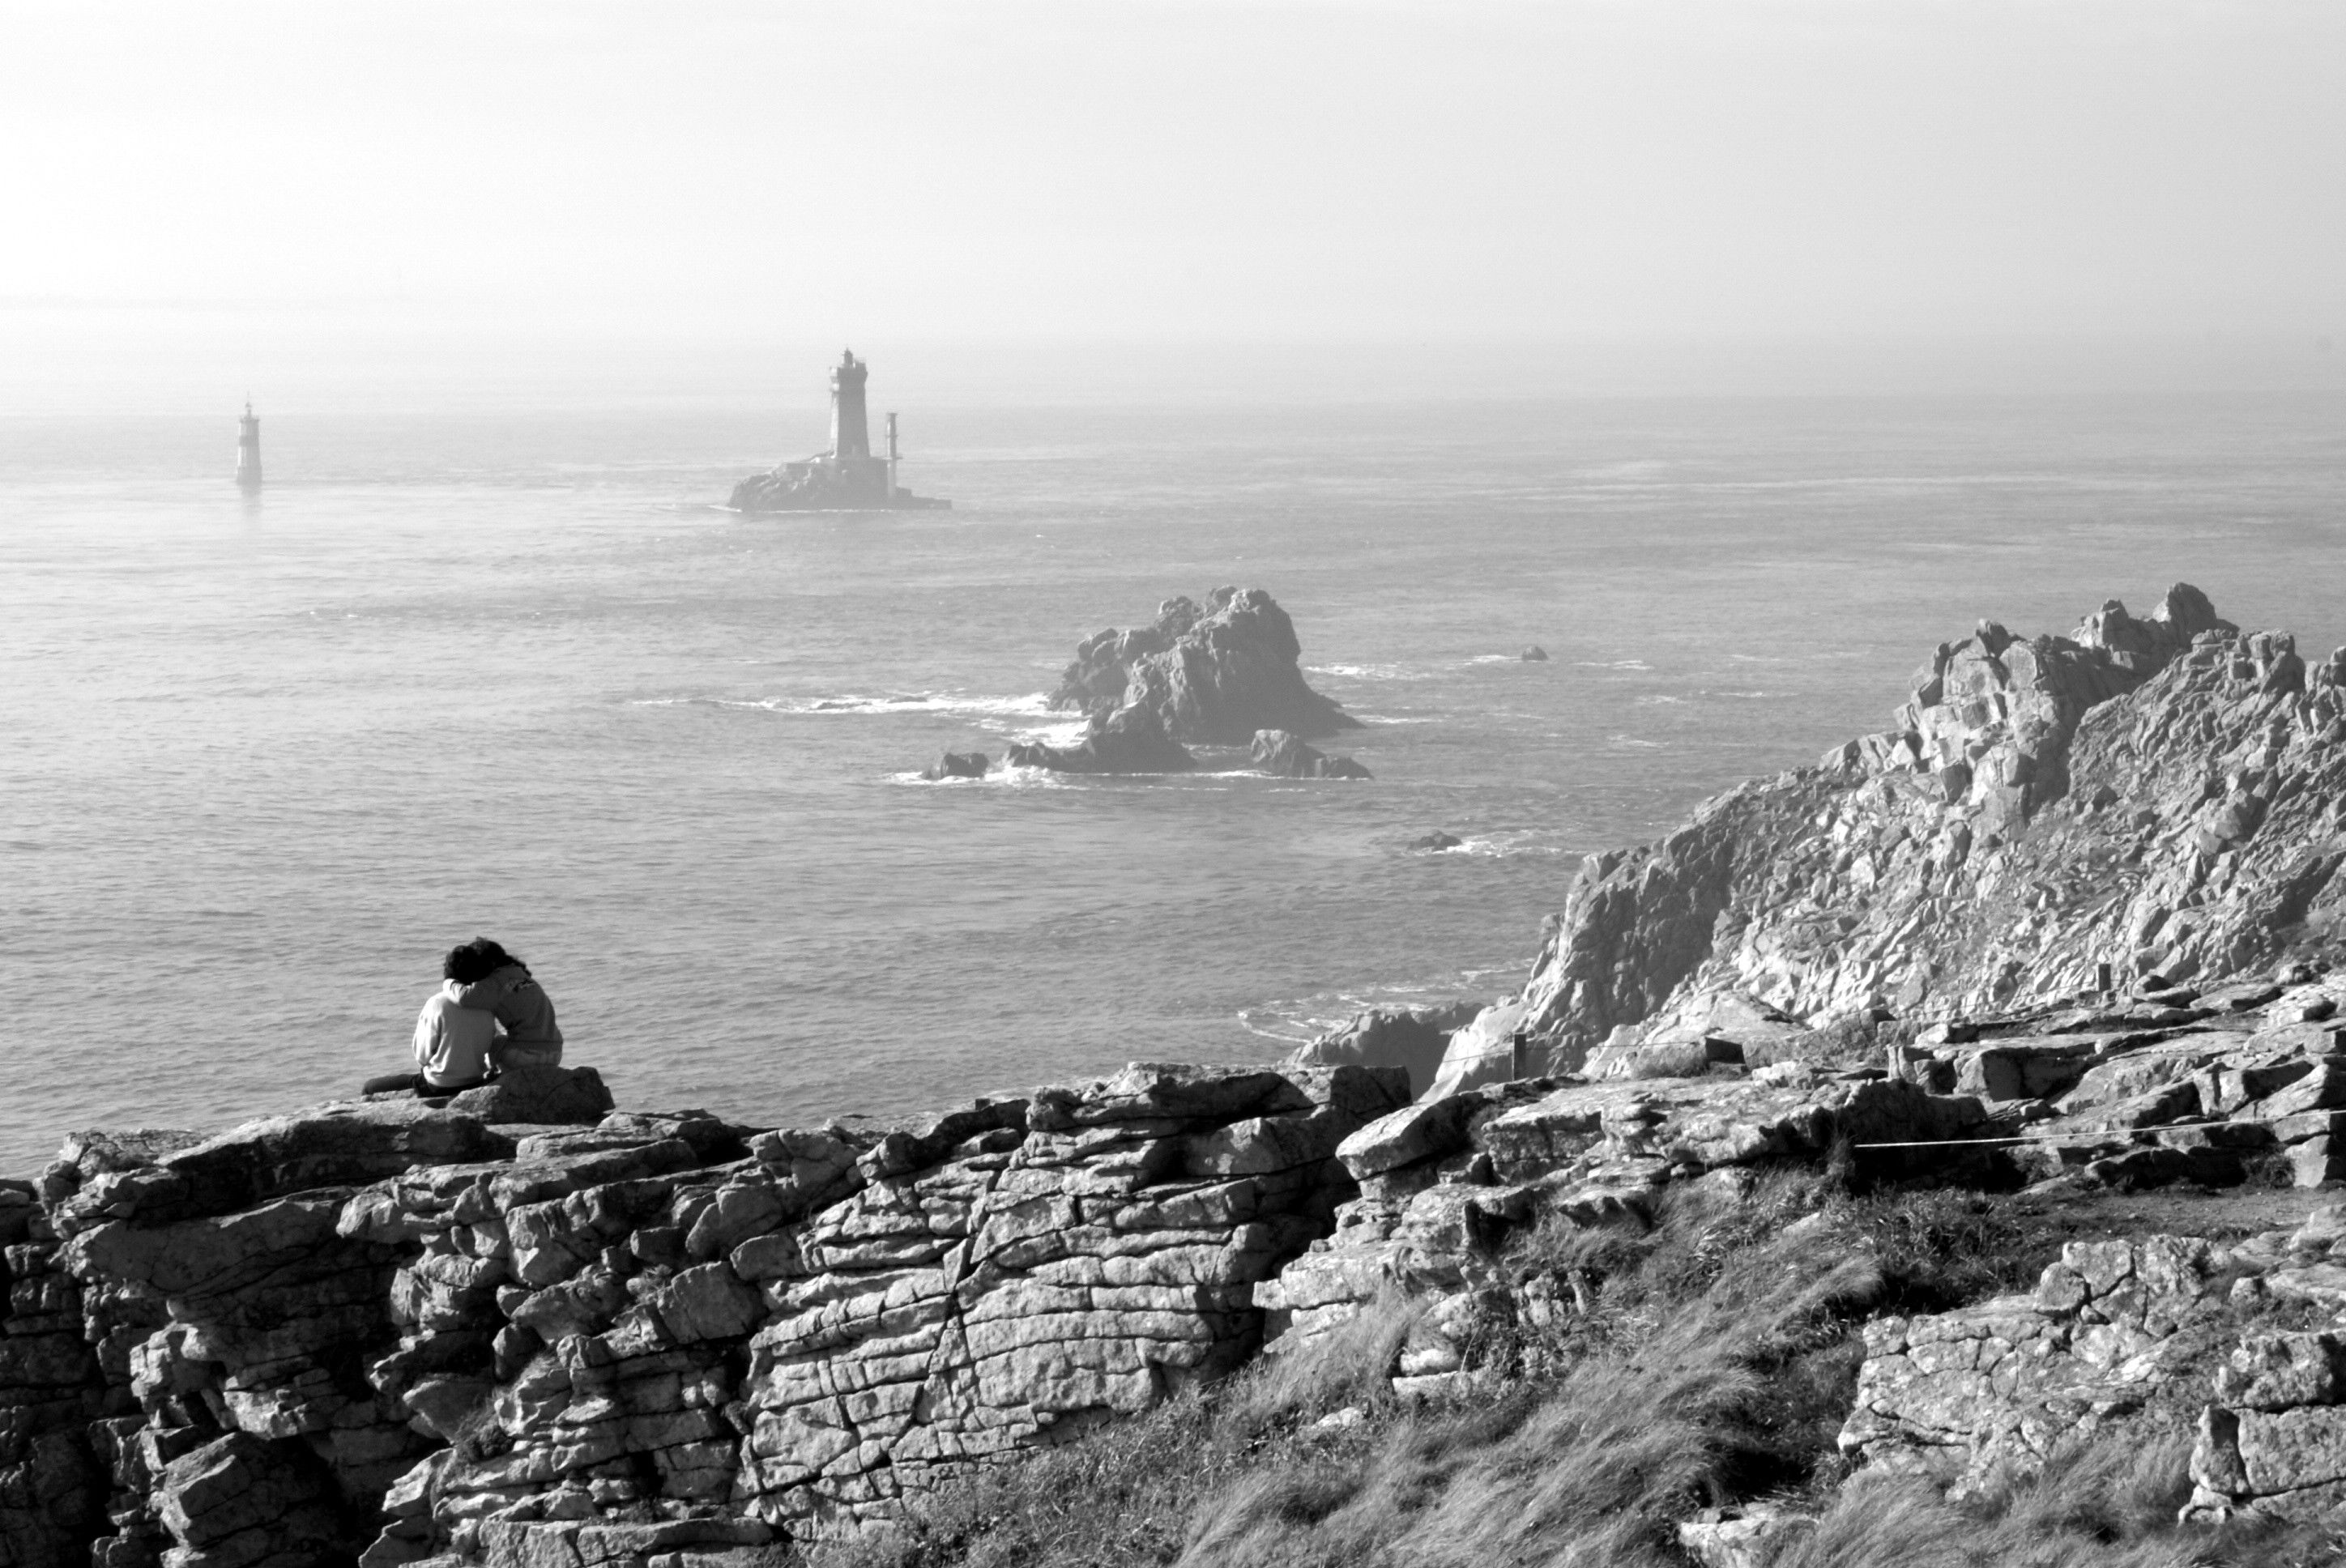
<point>1167,172</point>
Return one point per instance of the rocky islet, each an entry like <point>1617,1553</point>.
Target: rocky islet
<point>1224,674</point>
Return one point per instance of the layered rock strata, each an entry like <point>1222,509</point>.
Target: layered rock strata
<point>2103,1093</point>
<point>2164,1333</point>
<point>1446,1183</point>
<point>2154,796</point>
<point>396,1330</point>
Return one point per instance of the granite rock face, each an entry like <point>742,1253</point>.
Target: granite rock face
<point>2145,796</point>
<point>392,1331</point>
<point>1211,675</point>
<point>1446,1182</point>
<point>2164,1333</point>
<point>2104,1340</point>
<point>1414,1039</point>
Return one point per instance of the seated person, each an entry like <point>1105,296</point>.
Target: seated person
<point>507,991</point>
<point>455,1044</point>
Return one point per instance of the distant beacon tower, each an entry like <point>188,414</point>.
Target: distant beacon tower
<point>248,450</point>
<point>892,455</point>
<point>850,433</point>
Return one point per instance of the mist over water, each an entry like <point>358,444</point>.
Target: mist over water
<point>511,672</point>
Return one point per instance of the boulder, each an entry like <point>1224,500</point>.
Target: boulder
<point>1434,843</point>
<point>1283,756</point>
<point>567,1096</point>
<point>1410,1038</point>
<point>335,1144</point>
<point>237,1500</point>
<point>957,764</point>
<point>1211,675</point>
<point>1535,653</point>
<point>2106,1330</point>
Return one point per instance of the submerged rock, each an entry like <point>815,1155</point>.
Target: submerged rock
<point>1283,756</point>
<point>1435,842</point>
<point>957,764</point>
<point>1211,676</point>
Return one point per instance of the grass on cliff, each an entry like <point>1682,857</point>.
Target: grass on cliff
<point>1710,1360</point>
<point>2111,1504</point>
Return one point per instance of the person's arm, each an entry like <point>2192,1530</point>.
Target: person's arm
<point>482,996</point>
<point>427,1037</point>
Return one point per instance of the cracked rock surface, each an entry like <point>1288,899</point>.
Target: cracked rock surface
<point>392,1331</point>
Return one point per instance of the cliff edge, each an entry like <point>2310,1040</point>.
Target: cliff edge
<point>2146,796</point>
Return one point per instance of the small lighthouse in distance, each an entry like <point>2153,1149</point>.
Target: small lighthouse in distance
<point>248,450</point>
<point>847,478</point>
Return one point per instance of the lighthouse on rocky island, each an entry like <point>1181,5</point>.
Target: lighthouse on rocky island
<point>248,450</point>
<point>847,478</point>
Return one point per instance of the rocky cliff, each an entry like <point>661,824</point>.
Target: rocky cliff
<point>495,1332</point>
<point>2153,796</point>
<point>2067,929</point>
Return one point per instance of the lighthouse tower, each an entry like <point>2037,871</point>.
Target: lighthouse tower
<point>850,433</point>
<point>248,450</point>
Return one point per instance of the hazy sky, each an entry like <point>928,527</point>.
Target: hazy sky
<point>1179,168</point>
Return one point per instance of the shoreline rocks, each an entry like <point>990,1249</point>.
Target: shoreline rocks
<point>1284,756</point>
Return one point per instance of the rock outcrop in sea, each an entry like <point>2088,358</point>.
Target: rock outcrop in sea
<point>957,764</point>
<point>1212,674</point>
<point>1132,741</point>
<point>1284,756</point>
<point>1226,675</point>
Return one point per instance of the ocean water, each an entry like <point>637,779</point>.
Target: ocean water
<point>514,673</point>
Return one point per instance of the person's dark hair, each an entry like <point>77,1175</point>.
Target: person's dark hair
<point>494,957</point>
<point>465,965</point>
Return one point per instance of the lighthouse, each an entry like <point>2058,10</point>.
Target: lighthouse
<point>850,431</point>
<point>248,450</point>
<point>851,476</point>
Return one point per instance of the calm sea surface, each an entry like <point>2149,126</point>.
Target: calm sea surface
<point>260,762</point>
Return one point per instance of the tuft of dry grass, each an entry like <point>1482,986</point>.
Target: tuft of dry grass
<point>2108,1504</point>
<point>1708,1360</point>
<point>1703,1381</point>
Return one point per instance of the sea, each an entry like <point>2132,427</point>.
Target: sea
<point>515,671</point>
